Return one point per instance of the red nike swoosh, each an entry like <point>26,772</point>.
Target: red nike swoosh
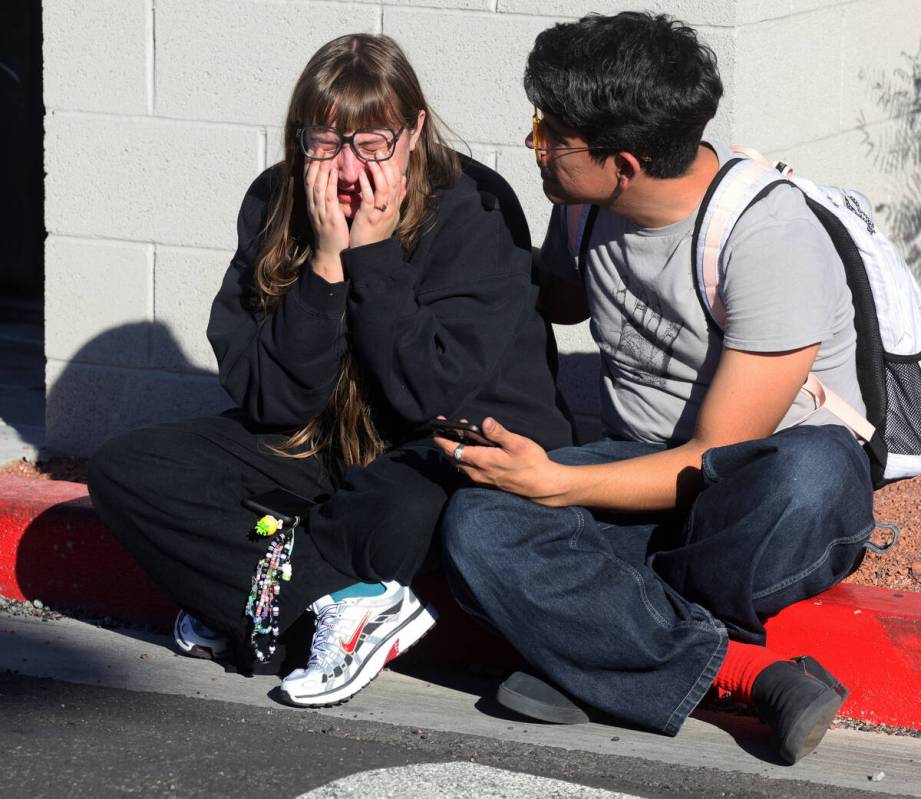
<point>349,646</point>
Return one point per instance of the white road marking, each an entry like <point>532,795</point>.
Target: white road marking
<point>455,781</point>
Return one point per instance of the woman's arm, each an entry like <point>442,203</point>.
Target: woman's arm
<point>562,289</point>
<point>562,301</point>
<point>280,368</point>
<point>432,331</point>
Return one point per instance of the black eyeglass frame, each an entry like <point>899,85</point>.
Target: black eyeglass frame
<point>348,140</point>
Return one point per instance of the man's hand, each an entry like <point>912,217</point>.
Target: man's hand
<point>330,229</point>
<point>749,395</point>
<point>515,464</point>
<point>379,213</point>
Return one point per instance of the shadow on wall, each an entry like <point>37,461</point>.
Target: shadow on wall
<point>127,377</point>
<point>895,150</point>
<point>103,390</point>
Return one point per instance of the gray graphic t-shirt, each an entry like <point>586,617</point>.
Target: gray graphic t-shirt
<point>784,288</point>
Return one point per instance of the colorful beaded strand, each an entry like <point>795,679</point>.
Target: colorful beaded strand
<point>262,602</point>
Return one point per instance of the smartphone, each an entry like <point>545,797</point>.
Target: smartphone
<point>457,431</point>
<point>283,505</point>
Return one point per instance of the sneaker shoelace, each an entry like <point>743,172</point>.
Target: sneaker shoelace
<point>325,643</point>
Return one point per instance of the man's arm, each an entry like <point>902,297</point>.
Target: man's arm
<point>747,399</point>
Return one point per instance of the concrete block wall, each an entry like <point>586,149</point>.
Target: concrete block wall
<point>161,112</point>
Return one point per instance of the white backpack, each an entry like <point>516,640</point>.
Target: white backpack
<point>887,304</point>
<point>886,297</point>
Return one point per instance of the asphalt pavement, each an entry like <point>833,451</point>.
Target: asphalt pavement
<point>88,711</point>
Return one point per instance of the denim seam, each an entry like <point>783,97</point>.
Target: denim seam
<point>812,567</point>
<point>658,617</point>
<point>701,685</point>
<point>638,579</point>
<point>707,468</point>
<point>580,526</point>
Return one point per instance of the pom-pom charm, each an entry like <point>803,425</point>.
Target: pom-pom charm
<point>268,525</point>
<point>286,572</point>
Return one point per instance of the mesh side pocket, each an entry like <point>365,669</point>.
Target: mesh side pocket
<point>903,421</point>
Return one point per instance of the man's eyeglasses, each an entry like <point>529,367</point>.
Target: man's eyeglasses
<point>323,143</point>
<point>539,145</point>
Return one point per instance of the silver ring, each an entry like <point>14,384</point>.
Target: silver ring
<point>459,452</point>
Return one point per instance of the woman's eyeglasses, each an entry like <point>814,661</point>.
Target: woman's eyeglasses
<point>322,143</point>
<point>539,144</point>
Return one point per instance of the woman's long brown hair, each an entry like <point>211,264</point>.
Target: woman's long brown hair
<point>359,80</point>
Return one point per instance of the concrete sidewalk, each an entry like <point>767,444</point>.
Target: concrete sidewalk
<point>398,706</point>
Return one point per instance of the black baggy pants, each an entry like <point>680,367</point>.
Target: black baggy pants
<point>172,494</point>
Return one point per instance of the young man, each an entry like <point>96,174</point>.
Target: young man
<point>635,572</point>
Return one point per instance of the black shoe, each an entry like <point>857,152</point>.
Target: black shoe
<point>536,698</point>
<point>817,670</point>
<point>798,703</point>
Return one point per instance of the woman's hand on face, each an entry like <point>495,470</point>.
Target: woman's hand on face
<point>379,213</point>
<point>330,229</point>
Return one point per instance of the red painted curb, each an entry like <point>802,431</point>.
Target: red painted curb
<point>870,639</point>
<point>54,548</point>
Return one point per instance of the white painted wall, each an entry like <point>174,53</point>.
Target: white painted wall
<point>160,113</point>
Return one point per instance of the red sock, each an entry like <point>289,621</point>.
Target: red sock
<point>741,667</point>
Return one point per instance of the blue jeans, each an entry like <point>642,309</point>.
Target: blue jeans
<point>631,613</point>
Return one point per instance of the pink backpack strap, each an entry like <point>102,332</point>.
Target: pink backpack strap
<point>824,397</point>
<point>736,186</point>
<point>749,152</point>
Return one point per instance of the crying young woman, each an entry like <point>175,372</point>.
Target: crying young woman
<point>380,279</point>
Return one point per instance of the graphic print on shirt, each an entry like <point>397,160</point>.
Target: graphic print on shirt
<point>646,337</point>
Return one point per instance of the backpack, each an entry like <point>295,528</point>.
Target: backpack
<point>886,297</point>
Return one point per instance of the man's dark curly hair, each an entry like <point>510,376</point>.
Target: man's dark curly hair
<point>634,82</point>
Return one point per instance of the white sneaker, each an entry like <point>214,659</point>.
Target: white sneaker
<point>197,640</point>
<point>353,641</point>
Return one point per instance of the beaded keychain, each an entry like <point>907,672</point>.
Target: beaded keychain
<point>262,602</point>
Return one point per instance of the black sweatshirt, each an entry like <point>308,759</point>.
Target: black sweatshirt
<point>452,329</point>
